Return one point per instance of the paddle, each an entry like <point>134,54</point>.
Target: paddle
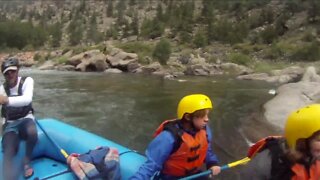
<point>224,167</point>
<point>62,151</point>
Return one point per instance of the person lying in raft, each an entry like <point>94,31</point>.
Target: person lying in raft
<point>295,156</point>
<point>182,146</point>
<point>17,112</point>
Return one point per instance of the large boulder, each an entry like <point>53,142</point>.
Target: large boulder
<point>233,68</point>
<point>47,65</point>
<point>292,96</point>
<point>287,75</point>
<point>124,61</point>
<point>149,69</point>
<point>311,75</point>
<point>92,60</point>
<point>198,70</point>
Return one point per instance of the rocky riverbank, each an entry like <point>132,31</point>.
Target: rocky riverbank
<point>297,86</point>
<point>110,59</point>
<point>288,98</point>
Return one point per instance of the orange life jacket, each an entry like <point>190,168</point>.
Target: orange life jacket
<point>299,170</point>
<point>190,155</point>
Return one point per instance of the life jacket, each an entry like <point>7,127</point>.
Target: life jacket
<point>301,173</point>
<point>14,113</point>
<point>190,153</point>
<point>282,168</point>
<point>101,163</point>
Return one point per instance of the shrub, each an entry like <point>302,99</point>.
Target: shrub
<point>239,58</point>
<point>309,52</point>
<point>19,35</point>
<point>39,57</point>
<point>245,48</point>
<point>200,39</point>
<point>229,32</point>
<point>61,59</point>
<point>151,29</point>
<point>162,51</point>
<point>268,66</point>
<point>279,50</point>
<point>308,36</point>
<point>268,35</point>
<point>113,32</point>
<point>142,49</point>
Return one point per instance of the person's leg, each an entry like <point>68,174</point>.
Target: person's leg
<point>28,131</point>
<point>10,143</point>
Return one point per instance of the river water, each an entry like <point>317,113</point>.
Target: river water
<point>127,108</point>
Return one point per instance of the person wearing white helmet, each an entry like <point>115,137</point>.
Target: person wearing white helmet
<point>295,155</point>
<point>18,120</point>
<point>183,145</point>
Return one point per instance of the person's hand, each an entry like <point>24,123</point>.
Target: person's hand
<point>4,100</point>
<point>215,170</point>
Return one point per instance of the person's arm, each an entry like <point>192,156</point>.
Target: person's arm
<point>157,153</point>
<point>3,96</point>
<point>27,94</point>
<point>2,91</point>
<point>257,168</point>
<point>211,158</point>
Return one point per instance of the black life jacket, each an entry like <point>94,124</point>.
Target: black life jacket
<point>281,166</point>
<point>14,113</point>
<point>176,132</point>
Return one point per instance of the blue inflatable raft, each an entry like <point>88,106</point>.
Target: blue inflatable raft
<point>49,163</point>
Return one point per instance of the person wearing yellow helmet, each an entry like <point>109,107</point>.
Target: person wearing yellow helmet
<point>295,155</point>
<point>183,145</point>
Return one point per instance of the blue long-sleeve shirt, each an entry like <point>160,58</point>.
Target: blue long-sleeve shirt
<point>160,149</point>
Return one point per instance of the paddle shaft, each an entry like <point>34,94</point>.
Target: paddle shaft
<point>224,167</point>
<point>62,151</point>
<point>204,173</point>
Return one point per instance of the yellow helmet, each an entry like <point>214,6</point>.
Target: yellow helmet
<point>302,123</point>
<point>192,103</point>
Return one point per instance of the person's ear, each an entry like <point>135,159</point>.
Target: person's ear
<point>187,117</point>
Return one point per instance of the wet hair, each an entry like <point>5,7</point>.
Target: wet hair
<point>197,114</point>
<point>302,151</point>
<point>315,138</point>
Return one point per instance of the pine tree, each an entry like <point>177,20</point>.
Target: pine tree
<point>93,34</point>
<point>135,24</point>
<point>132,2</point>
<point>159,14</point>
<point>75,30</point>
<point>110,8</point>
<point>120,7</point>
<point>56,34</point>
